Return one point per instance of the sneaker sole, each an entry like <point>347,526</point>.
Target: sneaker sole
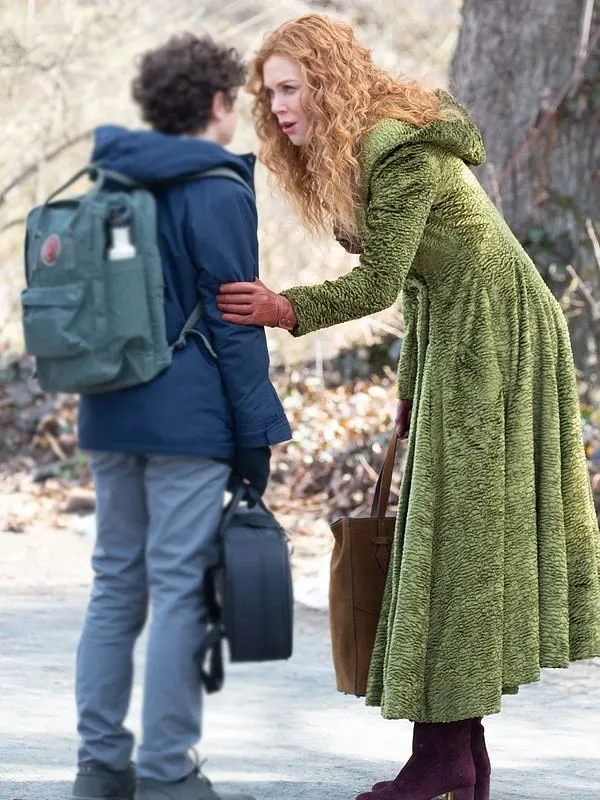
<point>96,797</point>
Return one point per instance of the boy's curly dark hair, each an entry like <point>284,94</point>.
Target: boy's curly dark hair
<point>177,82</point>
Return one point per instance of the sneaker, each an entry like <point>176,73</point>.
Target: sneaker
<point>94,781</point>
<point>195,787</point>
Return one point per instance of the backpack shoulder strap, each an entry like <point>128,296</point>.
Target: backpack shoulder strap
<point>216,172</point>
<point>189,327</point>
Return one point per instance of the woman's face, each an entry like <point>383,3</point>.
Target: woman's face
<point>283,82</point>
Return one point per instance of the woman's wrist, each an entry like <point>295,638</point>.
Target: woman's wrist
<point>286,315</point>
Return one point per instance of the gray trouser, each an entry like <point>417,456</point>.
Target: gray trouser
<point>157,518</point>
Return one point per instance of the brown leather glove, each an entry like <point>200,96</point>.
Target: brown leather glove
<point>403,414</point>
<point>255,304</point>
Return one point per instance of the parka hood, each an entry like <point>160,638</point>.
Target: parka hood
<point>151,157</point>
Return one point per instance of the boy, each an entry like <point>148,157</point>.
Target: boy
<point>162,453</point>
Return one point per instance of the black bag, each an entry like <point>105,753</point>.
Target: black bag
<point>249,593</point>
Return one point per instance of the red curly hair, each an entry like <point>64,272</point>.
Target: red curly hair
<point>344,95</point>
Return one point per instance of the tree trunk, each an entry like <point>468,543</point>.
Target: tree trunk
<point>529,73</point>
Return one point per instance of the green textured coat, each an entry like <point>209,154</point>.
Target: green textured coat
<point>495,564</point>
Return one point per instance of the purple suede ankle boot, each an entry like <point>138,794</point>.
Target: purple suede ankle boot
<point>441,763</point>
<point>480,759</point>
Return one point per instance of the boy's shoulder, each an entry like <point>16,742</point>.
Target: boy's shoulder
<point>230,177</point>
<point>218,201</point>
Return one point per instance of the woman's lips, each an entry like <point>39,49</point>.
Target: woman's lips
<point>288,127</point>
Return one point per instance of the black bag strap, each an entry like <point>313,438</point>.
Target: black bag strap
<point>213,675</point>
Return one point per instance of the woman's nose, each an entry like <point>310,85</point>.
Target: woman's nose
<point>277,105</point>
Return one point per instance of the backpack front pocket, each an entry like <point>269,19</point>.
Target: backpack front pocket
<point>52,322</point>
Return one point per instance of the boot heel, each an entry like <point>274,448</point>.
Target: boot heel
<point>461,794</point>
<point>482,788</point>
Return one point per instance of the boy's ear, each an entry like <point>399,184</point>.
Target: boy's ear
<point>219,108</point>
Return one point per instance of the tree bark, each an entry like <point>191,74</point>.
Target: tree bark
<point>529,73</point>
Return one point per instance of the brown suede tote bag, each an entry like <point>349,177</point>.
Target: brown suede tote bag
<point>359,563</point>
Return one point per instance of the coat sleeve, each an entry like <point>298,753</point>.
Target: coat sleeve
<point>222,235</point>
<point>401,192</point>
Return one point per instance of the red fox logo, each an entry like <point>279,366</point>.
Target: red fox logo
<point>51,250</point>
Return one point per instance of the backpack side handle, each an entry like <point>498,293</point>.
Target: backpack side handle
<point>89,170</point>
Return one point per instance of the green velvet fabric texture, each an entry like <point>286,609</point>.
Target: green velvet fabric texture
<point>494,572</point>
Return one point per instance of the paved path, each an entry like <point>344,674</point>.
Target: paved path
<point>279,730</point>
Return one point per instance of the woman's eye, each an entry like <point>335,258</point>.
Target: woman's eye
<point>289,89</point>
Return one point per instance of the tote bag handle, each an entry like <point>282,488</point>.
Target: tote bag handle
<point>381,498</point>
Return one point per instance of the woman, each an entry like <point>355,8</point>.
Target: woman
<point>494,570</point>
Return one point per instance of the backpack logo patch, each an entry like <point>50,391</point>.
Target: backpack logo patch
<point>50,250</point>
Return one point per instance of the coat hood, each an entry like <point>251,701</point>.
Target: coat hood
<point>149,157</point>
<point>459,136</point>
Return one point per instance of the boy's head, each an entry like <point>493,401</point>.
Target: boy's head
<point>189,87</point>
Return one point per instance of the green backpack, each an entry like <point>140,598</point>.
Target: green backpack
<point>93,310</point>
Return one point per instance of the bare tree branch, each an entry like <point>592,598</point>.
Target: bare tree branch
<point>13,224</point>
<point>582,54</point>
<point>593,304</point>
<point>591,231</point>
<point>31,169</point>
